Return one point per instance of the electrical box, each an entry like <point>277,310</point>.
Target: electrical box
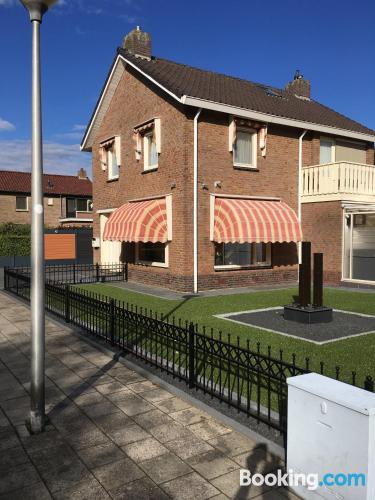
<point>331,433</point>
<point>96,243</point>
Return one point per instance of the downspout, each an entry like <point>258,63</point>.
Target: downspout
<point>195,204</point>
<point>300,143</point>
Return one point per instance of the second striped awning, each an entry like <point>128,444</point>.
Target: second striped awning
<point>144,221</point>
<point>238,220</point>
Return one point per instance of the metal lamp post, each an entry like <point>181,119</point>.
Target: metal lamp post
<point>36,10</point>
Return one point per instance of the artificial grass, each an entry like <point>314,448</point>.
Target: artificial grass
<point>351,355</point>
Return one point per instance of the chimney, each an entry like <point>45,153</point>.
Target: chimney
<point>138,43</point>
<point>299,86</point>
<point>82,174</point>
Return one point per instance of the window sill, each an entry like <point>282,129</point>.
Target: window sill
<point>238,166</point>
<point>112,179</point>
<point>22,210</point>
<point>151,264</point>
<point>241,268</point>
<point>149,169</point>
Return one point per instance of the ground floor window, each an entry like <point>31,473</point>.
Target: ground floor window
<point>359,246</point>
<point>154,254</point>
<point>242,254</point>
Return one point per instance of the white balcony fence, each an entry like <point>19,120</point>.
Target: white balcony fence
<point>337,181</point>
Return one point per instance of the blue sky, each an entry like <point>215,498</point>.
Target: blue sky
<point>330,41</point>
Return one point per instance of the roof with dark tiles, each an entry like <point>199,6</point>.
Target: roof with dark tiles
<point>53,184</point>
<point>182,80</point>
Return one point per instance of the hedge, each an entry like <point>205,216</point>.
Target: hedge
<point>13,244</point>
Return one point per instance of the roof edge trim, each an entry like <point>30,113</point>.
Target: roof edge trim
<point>268,118</point>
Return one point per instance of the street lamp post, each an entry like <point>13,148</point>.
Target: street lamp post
<point>36,10</point>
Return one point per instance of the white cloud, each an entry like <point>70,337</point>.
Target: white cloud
<point>75,134</point>
<point>58,158</point>
<point>7,2</point>
<point>79,128</point>
<point>4,124</point>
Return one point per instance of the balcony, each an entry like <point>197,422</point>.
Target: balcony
<point>338,181</point>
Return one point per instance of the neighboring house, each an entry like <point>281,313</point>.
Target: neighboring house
<point>67,199</point>
<point>201,180</point>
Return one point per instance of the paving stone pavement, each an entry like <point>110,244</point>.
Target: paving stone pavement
<point>112,433</point>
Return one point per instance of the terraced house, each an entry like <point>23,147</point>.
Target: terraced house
<point>202,180</point>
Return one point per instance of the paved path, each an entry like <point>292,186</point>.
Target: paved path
<point>112,432</point>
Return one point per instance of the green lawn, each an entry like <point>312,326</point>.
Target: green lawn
<point>355,354</point>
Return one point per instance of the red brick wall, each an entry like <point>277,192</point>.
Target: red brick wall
<point>8,212</point>
<point>322,225</point>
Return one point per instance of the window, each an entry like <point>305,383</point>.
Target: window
<point>112,162</point>
<point>74,205</point>
<point>242,254</point>
<point>332,150</point>
<point>154,254</point>
<point>327,151</point>
<point>151,157</point>
<point>244,148</point>
<point>22,204</point>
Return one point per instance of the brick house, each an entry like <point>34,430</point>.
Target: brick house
<point>201,180</point>
<point>67,199</point>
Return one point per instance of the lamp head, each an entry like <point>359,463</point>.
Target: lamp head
<point>37,8</point>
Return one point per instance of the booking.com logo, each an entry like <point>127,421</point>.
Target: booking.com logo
<point>310,481</point>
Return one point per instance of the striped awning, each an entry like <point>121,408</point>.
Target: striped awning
<point>144,221</point>
<point>254,221</point>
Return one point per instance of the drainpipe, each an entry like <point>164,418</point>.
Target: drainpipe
<point>195,203</point>
<point>300,187</point>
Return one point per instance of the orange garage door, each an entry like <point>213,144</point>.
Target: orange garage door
<point>59,246</point>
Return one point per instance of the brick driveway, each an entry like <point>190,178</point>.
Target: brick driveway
<point>112,433</point>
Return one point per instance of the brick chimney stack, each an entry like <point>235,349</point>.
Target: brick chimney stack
<point>82,174</point>
<point>138,43</point>
<point>299,86</point>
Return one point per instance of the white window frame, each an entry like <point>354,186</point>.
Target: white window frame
<point>257,265</point>
<point>27,204</point>
<point>109,161</point>
<point>254,146</point>
<point>147,139</point>
<point>333,148</point>
<point>149,263</point>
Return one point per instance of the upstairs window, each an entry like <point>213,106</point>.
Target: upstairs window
<point>335,150</point>
<point>110,152</point>
<point>22,204</point>
<point>243,142</point>
<point>147,142</point>
<point>244,149</point>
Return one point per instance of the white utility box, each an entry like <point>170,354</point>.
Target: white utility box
<point>331,430</point>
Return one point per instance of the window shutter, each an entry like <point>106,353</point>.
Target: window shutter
<point>118,150</point>
<point>263,140</point>
<point>137,145</point>
<point>232,133</point>
<point>157,132</point>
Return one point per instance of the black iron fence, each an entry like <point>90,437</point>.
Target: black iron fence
<point>246,379</point>
<point>75,273</point>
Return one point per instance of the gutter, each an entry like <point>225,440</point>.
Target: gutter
<point>195,203</point>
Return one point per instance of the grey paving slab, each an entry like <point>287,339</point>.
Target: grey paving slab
<point>128,434</point>
<point>212,464</point>
<point>95,456</point>
<point>152,419</point>
<point>170,432</point>
<point>115,474</point>
<point>142,489</point>
<point>37,491</point>
<point>165,468</point>
<point>233,444</point>
<point>133,405</point>
<point>208,429</point>
<point>189,416</point>
<point>188,447</point>
<point>189,487</point>
<point>145,449</point>
<point>259,460</point>
<point>85,490</point>
<point>18,477</point>
<point>229,484</point>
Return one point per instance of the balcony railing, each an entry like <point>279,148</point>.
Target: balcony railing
<point>338,181</point>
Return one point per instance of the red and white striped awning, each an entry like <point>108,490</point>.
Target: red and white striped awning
<point>144,221</point>
<point>254,221</point>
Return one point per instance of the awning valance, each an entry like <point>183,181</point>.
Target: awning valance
<point>253,221</point>
<point>145,221</point>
